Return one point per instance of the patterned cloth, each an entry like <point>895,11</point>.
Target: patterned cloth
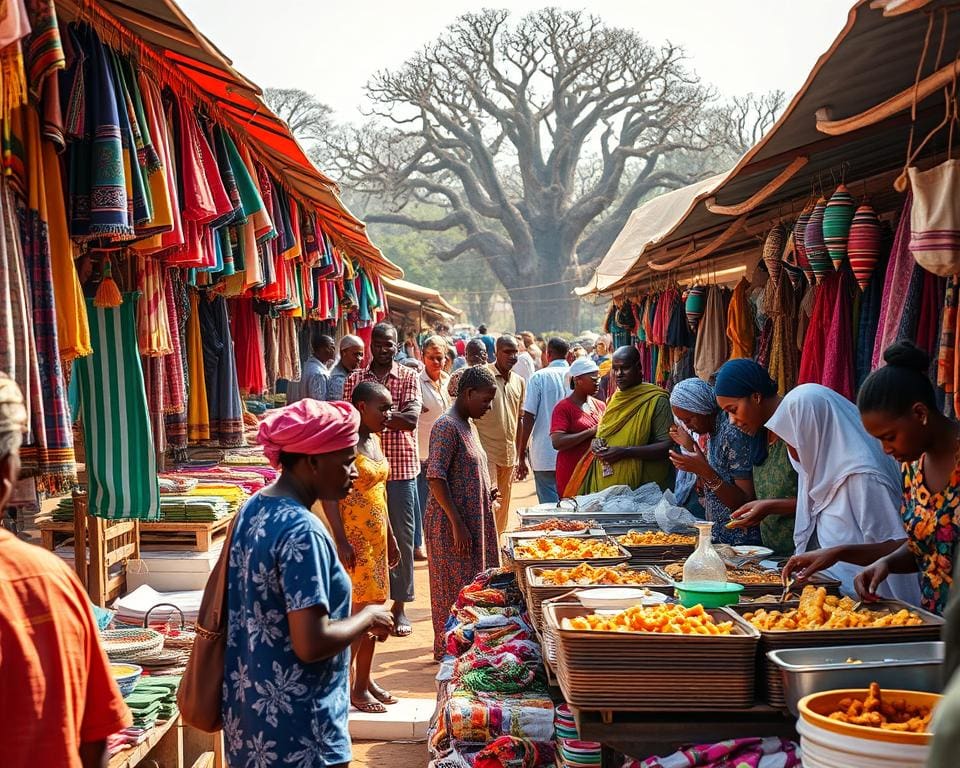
<point>932,522</point>
<point>776,478</point>
<point>400,447</point>
<point>729,456</point>
<point>456,456</point>
<point>769,752</point>
<point>364,515</point>
<point>278,711</point>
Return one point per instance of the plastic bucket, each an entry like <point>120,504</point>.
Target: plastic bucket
<point>825,749</point>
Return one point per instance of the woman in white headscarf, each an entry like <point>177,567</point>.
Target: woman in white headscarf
<point>849,490</point>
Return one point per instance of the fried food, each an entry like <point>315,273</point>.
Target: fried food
<point>564,548</point>
<point>585,573</point>
<point>665,619</point>
<point>744,575</point>
<point>654,539</point>
<point>889,714</point>
<point>567,526</point>
<point>817,610</point>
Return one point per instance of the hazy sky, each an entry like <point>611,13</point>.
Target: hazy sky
<point>332,48</point>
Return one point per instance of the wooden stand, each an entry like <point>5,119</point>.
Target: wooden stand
<point>199,537</point>
<point>173,745</point>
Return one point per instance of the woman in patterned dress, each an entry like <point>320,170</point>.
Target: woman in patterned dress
<point>725,472</point>
<point>459,527</point>
<point>898,407</point>
<point>364,538</point>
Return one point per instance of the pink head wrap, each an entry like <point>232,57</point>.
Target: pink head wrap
<point>310,427</point>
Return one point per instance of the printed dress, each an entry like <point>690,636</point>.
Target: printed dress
<point>456,456</point>
<point>364,515</point>
<point>278,711</point>
<point>932,522</point>
<point>729,454</point>
<point>776,479</point>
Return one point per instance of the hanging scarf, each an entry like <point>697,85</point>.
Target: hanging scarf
<point>43,49</point>
<point>14,26</point>
<point>896,283</point>
<point>711,335</point>
<point>782,359</point>
<point>153,323</point>
<point>740,328</point>
<point>248,346</point>
<point>838,352</point>
<point>198,418</point>
<point>117,433</point>
<point>175,371</point>
<point>946,360</point>
<point>53,454</point>
<point>870,319</point>
<point>220,374</point>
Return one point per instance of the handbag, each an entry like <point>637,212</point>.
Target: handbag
<point>201,688</point>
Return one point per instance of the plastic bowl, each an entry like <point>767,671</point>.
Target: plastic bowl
<point>618,598</point>
<point>709,594</point>
<point>126,676</point>
<point>815,708</point>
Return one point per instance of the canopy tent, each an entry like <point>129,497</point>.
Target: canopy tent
<point>874,59</point>
<point>418,302</point>
<point>161,30</point>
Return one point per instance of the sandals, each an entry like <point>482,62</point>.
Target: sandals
<point>381,694</point>
<point>402,629</point>
<point>368,707</point>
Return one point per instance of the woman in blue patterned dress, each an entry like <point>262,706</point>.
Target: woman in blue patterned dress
<point>286,677</point>
<point>458,525</point>
<point>725,473</point>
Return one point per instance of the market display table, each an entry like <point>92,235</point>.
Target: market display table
<point>176,535</point>
<point>173,745</point>
<point>642,734</point>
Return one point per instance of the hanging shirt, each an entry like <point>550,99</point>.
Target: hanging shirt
<point>546,388</point>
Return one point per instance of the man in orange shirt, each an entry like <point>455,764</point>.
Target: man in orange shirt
<point>58,702</point>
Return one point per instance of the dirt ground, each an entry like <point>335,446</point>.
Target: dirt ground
<point>406,667</point>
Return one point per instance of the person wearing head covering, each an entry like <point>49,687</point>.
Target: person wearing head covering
<point>574,422</point>
<point>725,471</point>
<point>60,702</point>
<point>459,525</point>
<point>633,437</point>
<point>849,489</point>
<point>746,392</point>
<point>290,624</point>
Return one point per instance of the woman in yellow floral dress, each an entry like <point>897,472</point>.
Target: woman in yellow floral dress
<point>365,541</point>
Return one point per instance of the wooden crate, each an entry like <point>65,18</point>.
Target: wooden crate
<point>199,537</point>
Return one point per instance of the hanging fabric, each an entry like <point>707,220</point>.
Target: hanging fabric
<point>220,374</point>
<point>198,416</point>
<point>153,324</point>
<point>175,372</point>
<point>896,283</point>
<point>740,321</point>
<point>838,352</point>
<point>248,346</point>
<point>711,350</point>
<point>117,433</point>
<point>871,300</point>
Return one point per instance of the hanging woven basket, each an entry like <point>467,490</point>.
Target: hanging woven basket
<point>837,218</point>
<point>695,305</point>
<point>799,235</point>
<point>863,248</point>
<point>773,250</point>
<point>816,249</point>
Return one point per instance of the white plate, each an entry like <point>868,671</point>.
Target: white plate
<point>618,598</point>
<point>752,551</point>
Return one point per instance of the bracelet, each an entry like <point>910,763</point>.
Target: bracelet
<point>713,485</point>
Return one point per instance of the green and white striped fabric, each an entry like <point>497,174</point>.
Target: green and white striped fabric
<point>121,464</point>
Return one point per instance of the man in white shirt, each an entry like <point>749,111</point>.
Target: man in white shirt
<point>315,374</point>
<point>546,388</point>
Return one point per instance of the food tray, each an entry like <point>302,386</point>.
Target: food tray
<point>537,591</point>
<point>520,566</point>
<point>914,666</point>
<point>770,587</point>
<point>645,671</point>
<point>770,685</point>
<point>659,554</point>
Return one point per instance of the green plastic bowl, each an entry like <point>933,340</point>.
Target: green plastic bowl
<point>709,594</point>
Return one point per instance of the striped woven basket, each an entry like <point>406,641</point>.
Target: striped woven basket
<point>131,644</point>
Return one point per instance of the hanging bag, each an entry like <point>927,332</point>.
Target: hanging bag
<point>201,688</point>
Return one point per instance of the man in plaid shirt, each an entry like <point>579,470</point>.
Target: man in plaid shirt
<point>400,449</point>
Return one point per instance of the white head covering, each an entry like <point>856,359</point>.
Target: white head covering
<point>825,430</point>
<point>582,366</point>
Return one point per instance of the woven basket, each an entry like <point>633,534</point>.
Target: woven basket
<point>131,644</point>
<point>174,638</point>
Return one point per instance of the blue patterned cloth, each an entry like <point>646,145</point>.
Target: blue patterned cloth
<point>278,711</point>
<point>729,455</point>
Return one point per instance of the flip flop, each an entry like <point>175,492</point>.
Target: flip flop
<point>369,707</point>
<point>402,630</point>
<point>381,694</point>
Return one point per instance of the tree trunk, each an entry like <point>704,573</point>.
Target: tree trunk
<point>544,308</point>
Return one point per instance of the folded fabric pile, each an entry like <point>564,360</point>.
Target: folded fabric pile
<point>250,479</point>
<point>176,484</point>
<point>128,737</point>
<point>742,753</point>
<point>493,707</point>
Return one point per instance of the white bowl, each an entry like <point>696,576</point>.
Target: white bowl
<point>752,551</point>
<point>618,598</point>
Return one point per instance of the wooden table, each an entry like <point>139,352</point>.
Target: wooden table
<point>644,734</point>
<point>199,537</point>
<point>173,745</point>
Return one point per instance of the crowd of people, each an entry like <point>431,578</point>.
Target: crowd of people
<point>413,456</point>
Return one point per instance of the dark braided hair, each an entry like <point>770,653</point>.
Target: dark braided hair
<point>901,383</point>
<point>476,377</point>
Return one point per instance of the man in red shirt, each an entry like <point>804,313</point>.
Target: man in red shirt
<point>58,701</point>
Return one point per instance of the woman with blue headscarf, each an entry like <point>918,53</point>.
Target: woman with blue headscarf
<point>746,392</point>
<point>725,472</point>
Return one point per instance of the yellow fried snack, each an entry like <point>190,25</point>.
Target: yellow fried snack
<point>587,574</point>
<point>564,548</point>
<point>665,619</point>
<point>654,539</point>
<point>889,714</point>
<point>817,610</point>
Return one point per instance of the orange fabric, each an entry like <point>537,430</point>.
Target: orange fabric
<point>740,326</point>
<point>55,685</point>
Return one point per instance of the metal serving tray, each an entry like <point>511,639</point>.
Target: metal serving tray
<point>905,666</point>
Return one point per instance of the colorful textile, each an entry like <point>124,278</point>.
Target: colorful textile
<point>364,516</point>
<point>456,458</point>
<point>896,281</point>
<point>220,373</point>
<point>932,522</point>
<point>480,718</point>
<point>198,415</point>
<point>248,347</point>
<point>636,416</point>
<point>400,447</point>
<point>838,351</point>
<point>43,49</point>
<point>310,427</point>
<point>776,478</point>
<point>511,752</point>
<point>769,752</point>
<point>275,707</point>
<point>153,325</point>
<point>740,325</point>
<point>117,432</point>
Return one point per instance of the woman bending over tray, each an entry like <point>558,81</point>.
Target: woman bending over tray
<point>848,492</point>
<point>898,406</point>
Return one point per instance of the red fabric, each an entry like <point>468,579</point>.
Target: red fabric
<point>56,689</point>
<point>815,343</point>
<point>838,354</point>
<point>931,308</point>
<point>248,347</point>
<point>567,417</point>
